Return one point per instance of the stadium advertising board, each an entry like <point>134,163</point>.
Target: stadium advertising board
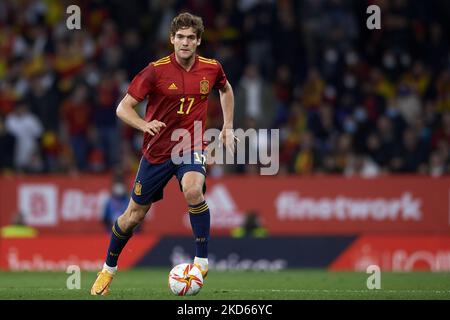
<point>396,253</point>
<point>286,205</point>
<point>338,253</point>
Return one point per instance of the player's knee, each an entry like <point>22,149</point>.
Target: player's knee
<point>193,194</point>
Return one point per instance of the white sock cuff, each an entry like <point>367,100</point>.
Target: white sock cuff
<point>201,261</point>
<point>110,269</point>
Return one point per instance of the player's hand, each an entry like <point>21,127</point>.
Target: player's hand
<point>228,139</point>
<point>153,127</point>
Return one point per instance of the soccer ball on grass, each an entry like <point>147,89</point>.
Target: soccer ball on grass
<point>185,280</point>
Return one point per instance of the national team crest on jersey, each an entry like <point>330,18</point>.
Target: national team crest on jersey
<point>138,188</point>
<point>204,86</point>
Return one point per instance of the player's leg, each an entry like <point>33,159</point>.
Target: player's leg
<point>192,184</point>
<point>122,231</point>
<point>148,188</point>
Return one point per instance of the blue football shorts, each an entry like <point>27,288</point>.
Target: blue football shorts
<point>151,179</point>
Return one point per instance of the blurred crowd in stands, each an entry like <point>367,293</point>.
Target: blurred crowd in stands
<point>347,100</point>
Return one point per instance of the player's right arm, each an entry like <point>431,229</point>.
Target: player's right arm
<point>127,113</point>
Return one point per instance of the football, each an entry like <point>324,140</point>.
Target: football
<point>185,280</point>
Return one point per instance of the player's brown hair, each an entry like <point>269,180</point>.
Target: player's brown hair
<point>187,20</point>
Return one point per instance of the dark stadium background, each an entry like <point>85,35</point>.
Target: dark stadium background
<point>364,120</point>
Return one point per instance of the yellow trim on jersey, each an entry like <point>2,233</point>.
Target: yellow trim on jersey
<point>213,63</point>
<point>205,60</point>
<point>162,61</point>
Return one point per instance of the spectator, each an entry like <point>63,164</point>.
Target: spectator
<point>106,120</point>
<point>437,165</point>
<point>76,113</point>
<point>27,129</point>
<point>7,147</point>
<point>18,228</point>
<point>115,205</point>
<point>361,165</point>
<point>314,56</point>
<point>254,96</point>
<point>251,227</point>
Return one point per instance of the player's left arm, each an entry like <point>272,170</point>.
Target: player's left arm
<point>227,102</point>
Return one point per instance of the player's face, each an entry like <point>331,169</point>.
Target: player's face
<point>185,43</point>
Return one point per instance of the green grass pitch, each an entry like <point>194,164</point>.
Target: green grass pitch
<point>245,285</point>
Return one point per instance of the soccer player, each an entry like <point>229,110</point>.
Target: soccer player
<point>177,88</point>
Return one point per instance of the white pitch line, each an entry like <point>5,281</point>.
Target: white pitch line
<point>262,290</point>
<point>339,291</point>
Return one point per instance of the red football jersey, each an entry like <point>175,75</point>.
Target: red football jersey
<point>176,97</point>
